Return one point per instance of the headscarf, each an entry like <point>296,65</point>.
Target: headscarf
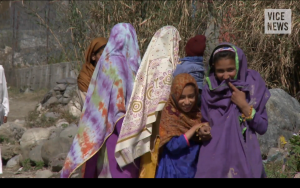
<point>107,97</point>
<point>175,122</point>
<point>150,93</point>
<point>88,68</point>
<point>227,154</point>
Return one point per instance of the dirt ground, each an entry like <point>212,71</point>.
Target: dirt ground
<point>20,104</point>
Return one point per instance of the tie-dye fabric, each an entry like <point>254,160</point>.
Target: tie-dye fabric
<point>107,96</point>
<point>150,93</point>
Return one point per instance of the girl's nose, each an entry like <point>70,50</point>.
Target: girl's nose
<point>226,76</point>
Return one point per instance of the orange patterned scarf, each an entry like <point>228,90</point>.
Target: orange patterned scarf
<point>175,122</point>
<point>88,68</point>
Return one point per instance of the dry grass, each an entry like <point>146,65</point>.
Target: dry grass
<point>275,57</point>
<point>147,17</point>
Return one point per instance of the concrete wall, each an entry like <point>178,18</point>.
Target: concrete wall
<point>40,77</point>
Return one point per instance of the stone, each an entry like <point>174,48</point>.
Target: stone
<point>62,81</point>
<point>69,92</point>
<point>59,96</point>
<point>11,132</point>
<point>31,138</point>
<point>62,123</point>
<point>71,81</point>
<point>276,155</point>
<point>20,122</point>
<point>52,148</point>
<point>55,132</point>
<point>50,94</point>
<point>35,154</point>
<point>13,162</point>
<point>74,111</point>
<point>53,115</point>
<point>9,151</point>
<point>283,119</point>
<point>40,108</point>
<point>60,100</point>
<point>58,162</point>
<point>60,87</point>
<point>43,174</point>
<point>69,132</point>
<point>52,100</point>
<point>58,93</point>
<point>65,100</point>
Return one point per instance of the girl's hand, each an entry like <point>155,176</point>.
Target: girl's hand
<point>203,131</point>
<point>239,98</point>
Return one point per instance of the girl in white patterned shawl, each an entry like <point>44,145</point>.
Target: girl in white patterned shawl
<point>139,133</point>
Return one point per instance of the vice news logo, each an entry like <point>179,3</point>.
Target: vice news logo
<point>278,21</point>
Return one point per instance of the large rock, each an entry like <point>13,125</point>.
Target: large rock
<point>276,155</point>
<point>13,162</point>
<point>54,147</point>
<point>70,91</point>
<point>69,132</point>
<point>11,132</point>
<point>55,132</point>
<point>283,117</point>
<point>35,154</point>
<point>31,138</point>
<point>74,107</point>
<point>58,162</point>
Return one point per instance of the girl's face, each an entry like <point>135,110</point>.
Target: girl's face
<point>96,57</point>
<point>224,69</point>
<point>187,99</point>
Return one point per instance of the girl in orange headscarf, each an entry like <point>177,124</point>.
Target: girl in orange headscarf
<point>92,56</point>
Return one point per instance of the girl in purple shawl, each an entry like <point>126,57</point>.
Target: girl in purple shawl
<point>233,102</point>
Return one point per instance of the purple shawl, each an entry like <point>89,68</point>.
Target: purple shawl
<point>227,154</point>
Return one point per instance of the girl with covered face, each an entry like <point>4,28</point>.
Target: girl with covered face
<point>92,56</point>
<point>233,102</point>
<point>104,109</point>
<point>139,134</point>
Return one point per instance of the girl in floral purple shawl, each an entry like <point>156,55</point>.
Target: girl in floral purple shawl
<point>233,102</point>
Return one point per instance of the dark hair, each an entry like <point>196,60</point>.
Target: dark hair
<point>101,48</point>
<point>97,51</point>
<point>223,54</point>
<point>220,55</point>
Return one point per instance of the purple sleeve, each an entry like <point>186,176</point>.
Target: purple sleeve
<point>259,123</point>
<point>177,144</point>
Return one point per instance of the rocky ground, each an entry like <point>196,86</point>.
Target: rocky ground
<point>39,132</point>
